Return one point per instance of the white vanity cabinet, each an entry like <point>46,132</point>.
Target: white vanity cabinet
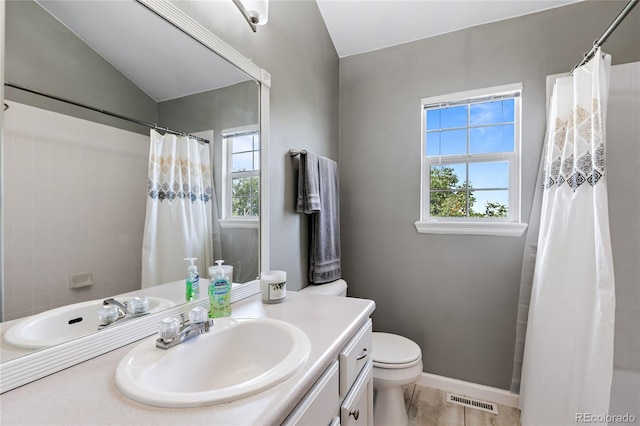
<point>320,405</point>
<point>343,395</point>
<point>357,407</point>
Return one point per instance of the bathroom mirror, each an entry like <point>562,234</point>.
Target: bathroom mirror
<point>207,102</point>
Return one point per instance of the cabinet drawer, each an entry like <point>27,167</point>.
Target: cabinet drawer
<point>357,407</point>
<point>354,356</point>
<point>318,407</point>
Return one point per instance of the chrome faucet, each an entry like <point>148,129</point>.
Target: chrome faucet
<point>173,332</point>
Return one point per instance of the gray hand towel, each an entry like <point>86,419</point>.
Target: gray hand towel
<point>308,184</point>
<point>318,195</point>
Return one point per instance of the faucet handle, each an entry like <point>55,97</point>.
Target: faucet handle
<point>169,328</point>
<point>138,305</point>
<point>198,315</point>
<point>108,314</point>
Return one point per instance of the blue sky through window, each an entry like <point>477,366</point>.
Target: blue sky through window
<point>245,153</point>
<point>489,175</point>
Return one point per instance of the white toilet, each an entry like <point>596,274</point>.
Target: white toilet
<point>397,361</point>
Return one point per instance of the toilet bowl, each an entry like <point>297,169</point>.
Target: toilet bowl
<point>397,361</point>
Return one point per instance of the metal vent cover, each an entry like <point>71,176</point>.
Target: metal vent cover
<point>478,404</point>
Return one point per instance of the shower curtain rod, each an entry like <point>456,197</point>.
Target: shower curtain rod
<point>603,38</point>
<point>112,114</point>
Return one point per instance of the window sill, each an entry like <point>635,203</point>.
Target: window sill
<point>501,229</point>
<point>239,223</point>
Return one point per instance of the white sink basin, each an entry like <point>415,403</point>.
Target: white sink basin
<point>65,323</point>
<point>239,357</point>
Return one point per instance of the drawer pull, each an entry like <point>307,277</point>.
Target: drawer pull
<point>364,355</point>
<point>355,414</point>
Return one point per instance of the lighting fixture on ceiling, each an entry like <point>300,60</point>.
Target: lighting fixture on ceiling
<point>256,12</point>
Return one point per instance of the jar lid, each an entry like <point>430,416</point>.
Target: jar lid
<point>274,276</point>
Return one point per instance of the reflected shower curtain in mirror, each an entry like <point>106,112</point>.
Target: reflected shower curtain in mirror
<point>568,356</point>
<point>178,220</point>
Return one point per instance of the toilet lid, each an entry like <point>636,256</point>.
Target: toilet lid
<point>394,349</point>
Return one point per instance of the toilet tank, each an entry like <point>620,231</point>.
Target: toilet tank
<point>334,288</point>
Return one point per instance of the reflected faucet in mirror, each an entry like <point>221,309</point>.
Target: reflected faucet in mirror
<point>62,324</point>
<point>113,312</point>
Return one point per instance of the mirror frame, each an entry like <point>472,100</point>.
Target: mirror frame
<point>27,368</point>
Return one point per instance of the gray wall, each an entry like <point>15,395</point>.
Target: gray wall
<point>295,48</point>
<point>455,295</point>
<point>44,55</point>
<point>224,108</point>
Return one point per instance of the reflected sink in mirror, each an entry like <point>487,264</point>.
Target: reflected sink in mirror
<point>68,322</point>
<point>239,357</point>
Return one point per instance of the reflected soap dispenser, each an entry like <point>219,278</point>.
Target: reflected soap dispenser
<point>219,293</point>
<point>193,280</point>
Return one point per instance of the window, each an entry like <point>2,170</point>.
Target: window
<point>471,163</point>
<point>241,193</point>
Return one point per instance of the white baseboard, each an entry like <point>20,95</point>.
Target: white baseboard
<point>472,390</point>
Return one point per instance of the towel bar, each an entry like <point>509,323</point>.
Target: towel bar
<point>294,152</point>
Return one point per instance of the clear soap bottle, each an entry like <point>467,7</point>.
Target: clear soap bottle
<point>219,293</point>
<point>192,281</point>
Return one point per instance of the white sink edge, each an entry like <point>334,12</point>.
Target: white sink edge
<point>130,387</point>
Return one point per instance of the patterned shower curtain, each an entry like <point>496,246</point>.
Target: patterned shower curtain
<point>568,355</point>
<point>179,212</point>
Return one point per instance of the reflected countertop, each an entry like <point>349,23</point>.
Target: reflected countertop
<point>173,291</point>
<point>62,398</point>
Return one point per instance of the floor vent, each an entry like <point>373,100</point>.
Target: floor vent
<point>478,404</point>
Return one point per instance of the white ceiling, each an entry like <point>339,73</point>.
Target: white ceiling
<point>358,26</point>
<point>157,57</point>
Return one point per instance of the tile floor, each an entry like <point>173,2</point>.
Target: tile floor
<point>427,407</point>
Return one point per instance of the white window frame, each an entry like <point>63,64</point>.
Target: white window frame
<point>509,226</point>
<point>228,220</point>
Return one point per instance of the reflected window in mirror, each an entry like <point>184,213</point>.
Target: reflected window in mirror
<point>242,178</point>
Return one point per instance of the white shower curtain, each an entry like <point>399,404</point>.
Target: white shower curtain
<point>178,221</point>
<point>568,357</point>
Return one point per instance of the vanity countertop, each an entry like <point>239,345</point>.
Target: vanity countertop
<point>86,394</point>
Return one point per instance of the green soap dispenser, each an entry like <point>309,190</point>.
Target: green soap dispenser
<point>193,280</point>
<point>219,293</point>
